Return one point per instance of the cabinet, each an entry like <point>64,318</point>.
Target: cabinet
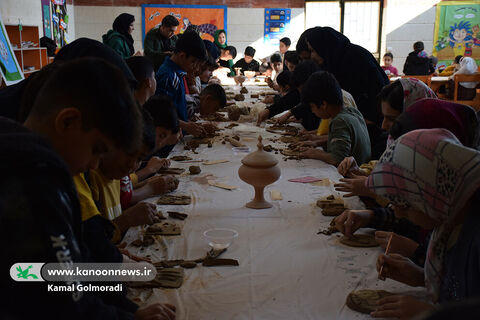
<point>26,45</point>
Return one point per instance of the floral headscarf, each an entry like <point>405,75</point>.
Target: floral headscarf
<point>414,90</point>
<point>429,170</point>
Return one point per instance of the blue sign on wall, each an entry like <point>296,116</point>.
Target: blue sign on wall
<point>277,21</point>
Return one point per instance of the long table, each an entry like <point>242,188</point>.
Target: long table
<point>287,270</point>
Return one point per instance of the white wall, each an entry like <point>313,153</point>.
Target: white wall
<point>405,22</point>
<point>93,22</point>
<point>30,14</point>
<point>245,28</point>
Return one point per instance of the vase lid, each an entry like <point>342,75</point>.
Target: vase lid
<point>259,158</point>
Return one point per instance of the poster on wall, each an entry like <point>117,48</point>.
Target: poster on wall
<point>47,19</point>
<point>9,68</point>
<point>59,22</point>
<point>277,22</point>
<point>457,31</point>
<point>208,18</point>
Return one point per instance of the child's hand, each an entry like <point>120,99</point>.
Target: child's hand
<point>262,116</point>
<point>162,184</point>
<point>347,166</point>
<point>156,163</point>
<point>269,99</point>
<point>283,119</point>
<point>399,244</point>
<point>352,220</point>
<point>139,214</point>
<point>301,144</point>
<point>401,307</point>
<point>401,269</point>
<point>355,186</point>
<point>194,129</point>
<point>309,153</point>
<point>210,127</point>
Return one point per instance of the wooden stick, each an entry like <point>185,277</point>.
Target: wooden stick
<point>386,253</point>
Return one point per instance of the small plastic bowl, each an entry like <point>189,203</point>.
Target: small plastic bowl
<point>240,149</point>
<point>220,238</point>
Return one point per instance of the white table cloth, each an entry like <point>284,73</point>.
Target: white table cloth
<point>287,270</point>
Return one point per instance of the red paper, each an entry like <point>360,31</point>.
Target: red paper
<point>305,179</point>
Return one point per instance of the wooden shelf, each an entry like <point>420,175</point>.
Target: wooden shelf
<point>32,48</point>
<point>30,71</point>
<point>31,56</point>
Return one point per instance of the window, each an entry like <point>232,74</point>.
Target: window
<point>360,21</point>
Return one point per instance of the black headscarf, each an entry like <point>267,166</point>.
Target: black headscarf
<point>121,25</point>
<point>354,67</point>
<point>302,41</point>
<point>330,45</point>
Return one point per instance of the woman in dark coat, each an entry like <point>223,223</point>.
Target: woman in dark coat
<point>357,72</point>
<point>119,38</point>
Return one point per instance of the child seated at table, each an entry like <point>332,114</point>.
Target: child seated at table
<point>276,66</point>
<point>189,52</point>
<point>100,190</point>
<point>347,132</point>
<point>291,60</point>
<point>448,71</point>
<point>248,63</point>
<point>466,90</point>
<point>418,63</point>
<point>227,55</point>
<point>291,100</point>
<point>143,71</point>
<point>161,114</point>
<point>283,82</point>
<point>209,101</point>
<point>389,69</point>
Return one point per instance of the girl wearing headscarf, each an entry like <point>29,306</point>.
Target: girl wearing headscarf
<point>462,121</point>
<point>394,99</point>
<point>120,37</point>
<point>434,181</point>
<point>459,119</point>
<point>466,90</point>
<point>220,40</point>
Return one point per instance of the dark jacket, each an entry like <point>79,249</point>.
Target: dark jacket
<point>304,113</point>
<point>117,42</point>
<point>287,102</point>
<point>155,45</point>
<point>40,222</point>
<point>417,66</point>
<point>252,66</point>
<point>354,67</point>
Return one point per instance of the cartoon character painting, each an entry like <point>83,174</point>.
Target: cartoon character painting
<point>476,35</point>
<point>461,38</point>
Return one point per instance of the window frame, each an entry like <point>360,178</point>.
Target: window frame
<point>341,3</point>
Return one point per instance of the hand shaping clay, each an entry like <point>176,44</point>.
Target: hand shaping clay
<point>365,301</point>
